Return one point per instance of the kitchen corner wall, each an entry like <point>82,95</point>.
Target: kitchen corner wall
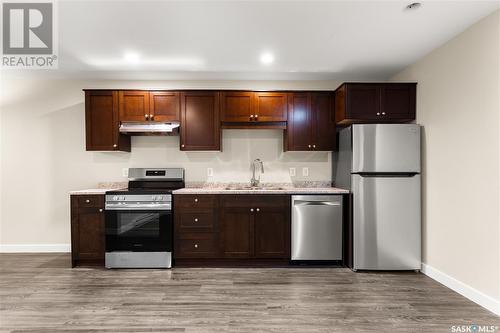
<point>42,147</point>
<point>458,104</point>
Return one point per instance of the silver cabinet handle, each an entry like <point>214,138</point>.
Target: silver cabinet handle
<point>378,113</point>
<point>146,116</point>
<point>383,113</point>
<point>309,146</point>
<point>100,210</point>
<point>256,116</point>
<point>251,116</point>
<point>115,145</point>
<point>151,116</point>
<point>182,146</point>
<point>251,209</point>
<point>314,146</point>
<point>258,209</point>
<point>196,246</point>
<point>196,200</point>
<point>87,201</point>
<point>196,220</point>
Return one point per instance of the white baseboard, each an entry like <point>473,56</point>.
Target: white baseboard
<point>33,248</point>
<point>463,289</point>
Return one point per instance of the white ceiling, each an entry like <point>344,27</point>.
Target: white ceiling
<point>341,40</point>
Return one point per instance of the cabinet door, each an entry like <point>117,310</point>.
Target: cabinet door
<point>200,125</point>
<point>134,105</point>
<point>164,106</point>
<point>88,234</point>
<point>237,106</point>
<point>323,124</point>
<point>272,233</point>
<point>299,129</point>
<point>363,101</point>
<point>270,106</point>
<point>398,101</point>
<point>237,233</point>
<point>101,122</point>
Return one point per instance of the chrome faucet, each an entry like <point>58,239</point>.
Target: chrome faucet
<point>257,163</point>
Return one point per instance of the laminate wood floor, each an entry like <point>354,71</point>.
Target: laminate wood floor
<point>41,293</point>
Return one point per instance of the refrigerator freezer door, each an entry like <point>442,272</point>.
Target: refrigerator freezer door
<point>386,222</point>
<point>386,148</point>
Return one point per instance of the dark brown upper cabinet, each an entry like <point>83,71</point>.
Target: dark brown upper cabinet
<point>200,123</point>
<point>134,105</point>
<point>237,106</point>
<point>164,106</point>
<point>138,105</point>
<point>102,121</point>
<point>253,107</point>
<point>270,106</point>
<point>311,122</point>
<point>375,102</point>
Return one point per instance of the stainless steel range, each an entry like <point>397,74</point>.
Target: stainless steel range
<point>139,220</point>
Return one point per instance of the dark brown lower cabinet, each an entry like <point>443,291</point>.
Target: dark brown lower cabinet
<point>234,229</point>
<point>255,226</point>
<point>87,230</point>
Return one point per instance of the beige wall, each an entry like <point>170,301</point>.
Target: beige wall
<point>458,105</point>
<point>43,153</point>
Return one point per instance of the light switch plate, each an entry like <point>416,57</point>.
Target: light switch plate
<point>293,172</point>
<point>210,172</point>
<point>305,172</point>
<point>125,172</point>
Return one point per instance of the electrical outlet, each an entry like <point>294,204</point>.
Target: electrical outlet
<point>125,172</point>
<point>210,172</point>
<point>292,172</point>
<point>305,172</point>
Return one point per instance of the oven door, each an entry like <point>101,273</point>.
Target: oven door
<point>139,230</point>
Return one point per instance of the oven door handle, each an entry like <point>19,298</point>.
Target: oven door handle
<point>138,207</point>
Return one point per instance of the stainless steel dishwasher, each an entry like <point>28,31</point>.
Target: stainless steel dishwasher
<point>317,227</point>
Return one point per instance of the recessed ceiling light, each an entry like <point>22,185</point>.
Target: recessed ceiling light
<point>267,58</point>
<point>414,5</point>
<point>132,57</point>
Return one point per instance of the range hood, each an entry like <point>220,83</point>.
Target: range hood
<point>149,128</point>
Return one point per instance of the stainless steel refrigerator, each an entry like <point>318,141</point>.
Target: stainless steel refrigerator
<point>380,164</point>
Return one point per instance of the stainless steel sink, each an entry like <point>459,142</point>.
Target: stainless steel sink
<point>253,188</point>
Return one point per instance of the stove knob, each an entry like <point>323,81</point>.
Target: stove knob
<point>115,198</point>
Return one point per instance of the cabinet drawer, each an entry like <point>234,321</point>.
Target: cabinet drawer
<point>238,200</point>
<point>196,219</point>
<point>271,200</point>
<point>194,201</point>
<point>256,200</point>
<point>196,245</point>
<point>90,201</point>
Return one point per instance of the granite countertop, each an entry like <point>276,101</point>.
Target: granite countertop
<point>266,188</point>
<point>101,188</point>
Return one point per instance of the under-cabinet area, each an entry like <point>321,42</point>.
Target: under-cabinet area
<point>309,119</point>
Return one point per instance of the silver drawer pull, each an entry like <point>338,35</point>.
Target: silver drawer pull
<point>100,210</point>
<point>196,246</point>
<point>196,220</point>
<point>87,201</point>
<point>258,209</point>
<point>196,200</point>
<point>251,209</point>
